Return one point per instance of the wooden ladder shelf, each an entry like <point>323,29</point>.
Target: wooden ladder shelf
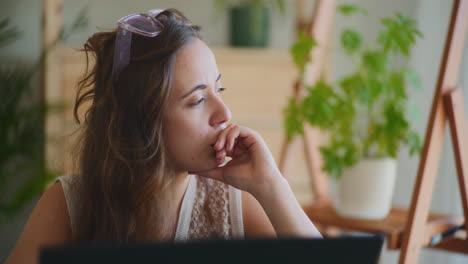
<point>406,229</point>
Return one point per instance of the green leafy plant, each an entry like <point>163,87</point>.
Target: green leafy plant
<point>365,112</point>
<point>22,139</point>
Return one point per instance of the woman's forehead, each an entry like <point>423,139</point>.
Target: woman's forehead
<point>195,64</point>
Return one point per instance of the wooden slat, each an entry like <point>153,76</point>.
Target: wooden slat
<point>459,129</point>
<point>320,28</point>
<point>392,226</point>
<point>51,21</point>
<point>301,19</point>
<point>51,92</point>
<point>429,162</point>
<point>457,243</point>
<point>438,224</point>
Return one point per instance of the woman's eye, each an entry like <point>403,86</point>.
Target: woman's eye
<point>198,102</point>
<point>221,89</point>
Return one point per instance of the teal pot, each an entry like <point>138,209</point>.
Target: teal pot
<point>249,26</point>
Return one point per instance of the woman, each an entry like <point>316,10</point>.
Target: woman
<point>153,148</point>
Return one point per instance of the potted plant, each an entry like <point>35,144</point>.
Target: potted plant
<point>249,20</point>
<point>364,114</point>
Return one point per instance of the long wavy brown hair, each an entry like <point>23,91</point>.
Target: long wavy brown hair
<point>123,169</point>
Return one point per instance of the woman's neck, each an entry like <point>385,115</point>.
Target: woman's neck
<point>179,185</point>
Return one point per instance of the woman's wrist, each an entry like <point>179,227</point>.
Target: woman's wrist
<point>274,187</point>
<point>284,211</point>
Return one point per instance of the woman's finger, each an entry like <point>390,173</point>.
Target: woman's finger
<point>231,137</point>
<point>237,150</point>
<point>220,156</point>
<point>247,137</point>
<point>221,140</point>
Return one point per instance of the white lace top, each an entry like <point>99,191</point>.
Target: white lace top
<point>210,209</point>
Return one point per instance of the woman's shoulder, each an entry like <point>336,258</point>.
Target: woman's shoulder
<point>49,224</point>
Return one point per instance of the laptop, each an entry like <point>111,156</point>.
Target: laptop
<point>349,249</point>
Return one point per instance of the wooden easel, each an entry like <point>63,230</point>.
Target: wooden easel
<point>410,230</point>
<point>447,102</point>
<point>320,28</point>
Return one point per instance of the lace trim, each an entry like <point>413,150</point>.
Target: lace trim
<point>210,209</point>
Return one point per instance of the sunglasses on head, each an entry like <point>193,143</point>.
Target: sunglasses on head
<point>142,24</point>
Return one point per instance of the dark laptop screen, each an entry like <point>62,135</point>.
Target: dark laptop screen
<point>362,249</point>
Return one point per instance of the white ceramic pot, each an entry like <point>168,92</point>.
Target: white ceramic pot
<point>365,191</point>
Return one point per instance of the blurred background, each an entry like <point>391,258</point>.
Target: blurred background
<point>259,80</point>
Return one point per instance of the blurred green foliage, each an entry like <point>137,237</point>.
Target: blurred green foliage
<point>365,112</point>
<point>23,170</point>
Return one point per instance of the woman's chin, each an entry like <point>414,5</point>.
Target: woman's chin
<point>209,165</point>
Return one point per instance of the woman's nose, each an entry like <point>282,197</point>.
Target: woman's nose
<point>221,113</point>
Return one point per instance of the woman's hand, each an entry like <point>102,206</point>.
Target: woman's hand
<point>254,170</point>
<point>252,167</point>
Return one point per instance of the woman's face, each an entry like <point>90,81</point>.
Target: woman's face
<point>195,113</point>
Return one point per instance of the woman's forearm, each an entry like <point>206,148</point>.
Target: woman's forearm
<point>284,211</point>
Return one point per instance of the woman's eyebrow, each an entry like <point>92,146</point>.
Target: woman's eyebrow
<point>199,87</point>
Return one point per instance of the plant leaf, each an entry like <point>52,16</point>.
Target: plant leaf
<point>301,49</point>
<point>8,34</point>
<point>399,34</point>
<point>331,162</point>
<point>375,62</point>
<point>351,40</point>
<point>318,106</point>
<point>414,142</point>
<point>293,122</point>
<point>348,9</point>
